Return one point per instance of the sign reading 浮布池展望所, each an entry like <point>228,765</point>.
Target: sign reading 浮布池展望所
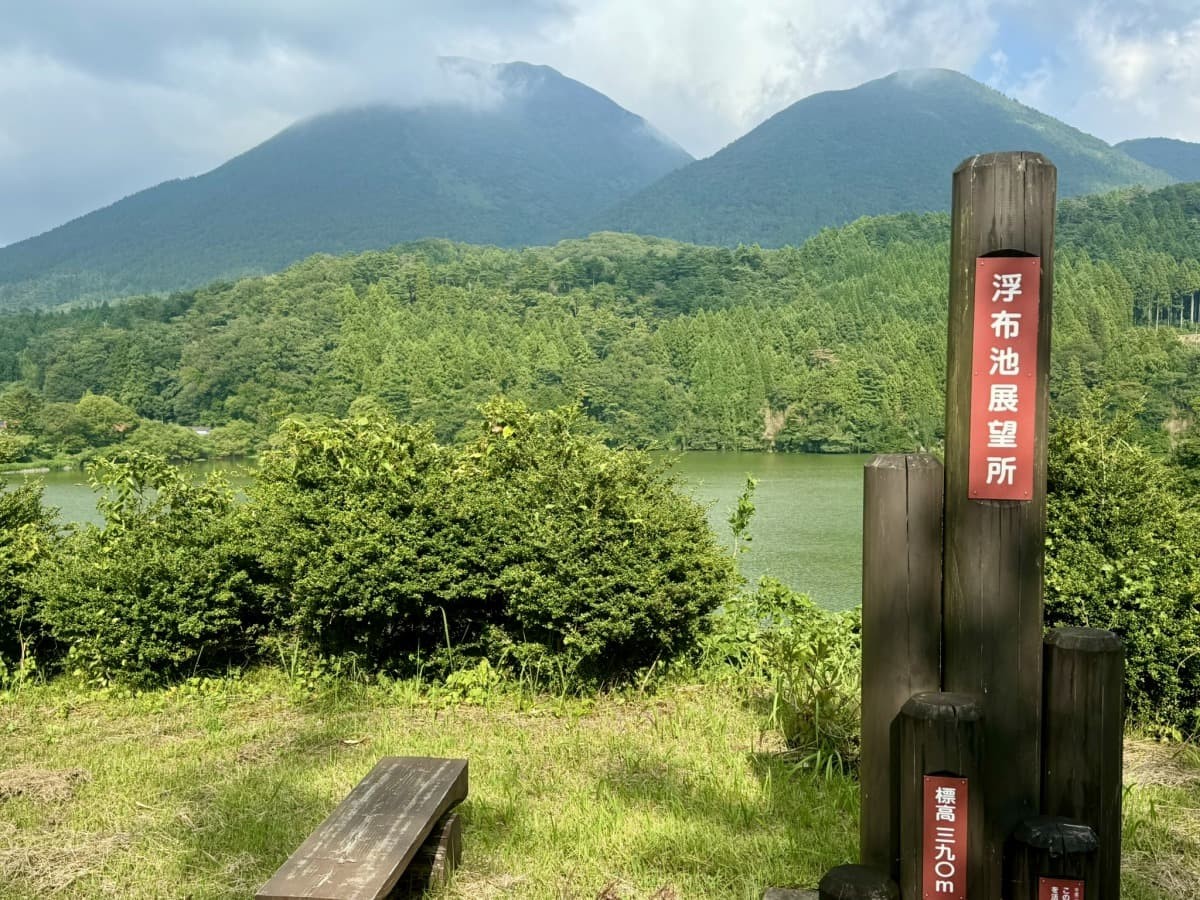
<point>944,850</point>
<point>1004,369</point>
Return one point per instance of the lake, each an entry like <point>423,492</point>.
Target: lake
<point>806,531</point>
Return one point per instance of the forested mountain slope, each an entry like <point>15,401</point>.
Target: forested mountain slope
<point>834,346</point>
<point>1179,159</point>
<point>886,146</point>
<point>522,168</point>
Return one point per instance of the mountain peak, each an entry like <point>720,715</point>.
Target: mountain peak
<point>886,146</point>
<point>538,153</point>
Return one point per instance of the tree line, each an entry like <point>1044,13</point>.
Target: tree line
<point>835,346</point>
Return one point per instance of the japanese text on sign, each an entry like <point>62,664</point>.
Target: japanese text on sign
<point>1060,889</point>
<point>1004,377</point>
<point>944,869</point>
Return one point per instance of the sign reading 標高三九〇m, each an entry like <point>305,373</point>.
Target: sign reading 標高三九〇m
<point>1004,377</point>
<point>944,863</point>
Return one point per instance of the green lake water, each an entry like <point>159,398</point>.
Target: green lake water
<point>806,531</point>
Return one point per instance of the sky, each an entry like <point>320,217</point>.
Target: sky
<point>101,98</point>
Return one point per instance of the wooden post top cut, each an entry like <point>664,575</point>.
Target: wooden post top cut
<point>360,851</point>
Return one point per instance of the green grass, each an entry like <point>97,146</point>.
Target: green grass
<point>202,791</point>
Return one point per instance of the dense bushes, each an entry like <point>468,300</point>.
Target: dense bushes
<point>534,544</point>
<point>1123,553</point>
<point>26,536</point>
<point>364,538</point>
<point>163,590</point>
<point>534,540</point>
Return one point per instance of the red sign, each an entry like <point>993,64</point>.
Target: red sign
<point>1060,889</point>
<point>1004,377</point>
<point>944,853</point>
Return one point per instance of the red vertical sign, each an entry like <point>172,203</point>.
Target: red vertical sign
<point>1004,377</point>
<point>944,851</point>
<point>1060,889</point>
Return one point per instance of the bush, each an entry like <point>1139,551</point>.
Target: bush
<point>534,541</point>
<point>164,590</point>
<point>26,534</point>
<point>172,442</point>
<point>812,660</point>
<point>1123,553</point>
<point>237,438</point>
<point>344,518</point>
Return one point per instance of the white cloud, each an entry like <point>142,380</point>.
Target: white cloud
<point>97,101</point>
<point>1146,73</point>
<point>707,72</point>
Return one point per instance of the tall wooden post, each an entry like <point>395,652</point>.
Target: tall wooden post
<point>1003,204</point>
<point>901,631</point>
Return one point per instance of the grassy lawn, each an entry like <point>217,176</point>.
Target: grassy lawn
<point>202,791</point>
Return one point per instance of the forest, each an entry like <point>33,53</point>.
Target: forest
<point>834,346</point>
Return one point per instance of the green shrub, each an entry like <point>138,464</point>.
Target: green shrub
<point>806,661</point>
<point>1123,553</point>
<point>172,442</point>
<point>26,534</point>
<point>814,659</point>
<point>164,590</point>
<point>237,438</point>
<point>344,518</point>
<point>534,541</point>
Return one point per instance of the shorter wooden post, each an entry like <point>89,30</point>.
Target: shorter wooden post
<point>1084,730</point>
<point>857,883</point>
<point>1049,847</point>
<point>901,631</point>
<point>940,734</point>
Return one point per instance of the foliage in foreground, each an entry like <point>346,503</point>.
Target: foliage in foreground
<point>1123,553</point>
<point>366,540</point>
<point>164,589</point>
<point>534,542</point>
<point>807,661</point>
<point>26,536</point>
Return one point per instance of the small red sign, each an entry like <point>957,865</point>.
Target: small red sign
<point>1004,377</point>
<point>944,853</point>
<point>1060,889</point>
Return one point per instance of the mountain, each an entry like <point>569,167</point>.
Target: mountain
<point>886,146</point>
<point>1179,159</point>
<point>540,153</point>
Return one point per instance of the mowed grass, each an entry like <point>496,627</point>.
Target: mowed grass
<point>202,791</point>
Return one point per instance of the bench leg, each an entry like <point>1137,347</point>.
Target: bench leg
<point>437,859</point>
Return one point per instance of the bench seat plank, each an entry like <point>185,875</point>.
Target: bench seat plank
<point>362,849</point>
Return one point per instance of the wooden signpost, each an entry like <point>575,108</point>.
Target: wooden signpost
<point>982,777</point>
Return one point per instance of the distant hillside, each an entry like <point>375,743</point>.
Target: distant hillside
<point>548,154</point>
<point>884,147</point>
<point>1179,159</point>
<point>838,345</point>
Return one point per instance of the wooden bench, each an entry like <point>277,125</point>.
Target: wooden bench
<point>361,851</point>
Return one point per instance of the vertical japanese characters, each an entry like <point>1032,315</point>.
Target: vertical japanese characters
<point>944,869</point>
<point>1003,375</point>
<point>1060,889</point>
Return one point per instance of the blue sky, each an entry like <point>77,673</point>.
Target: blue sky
<point>100,99</point>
